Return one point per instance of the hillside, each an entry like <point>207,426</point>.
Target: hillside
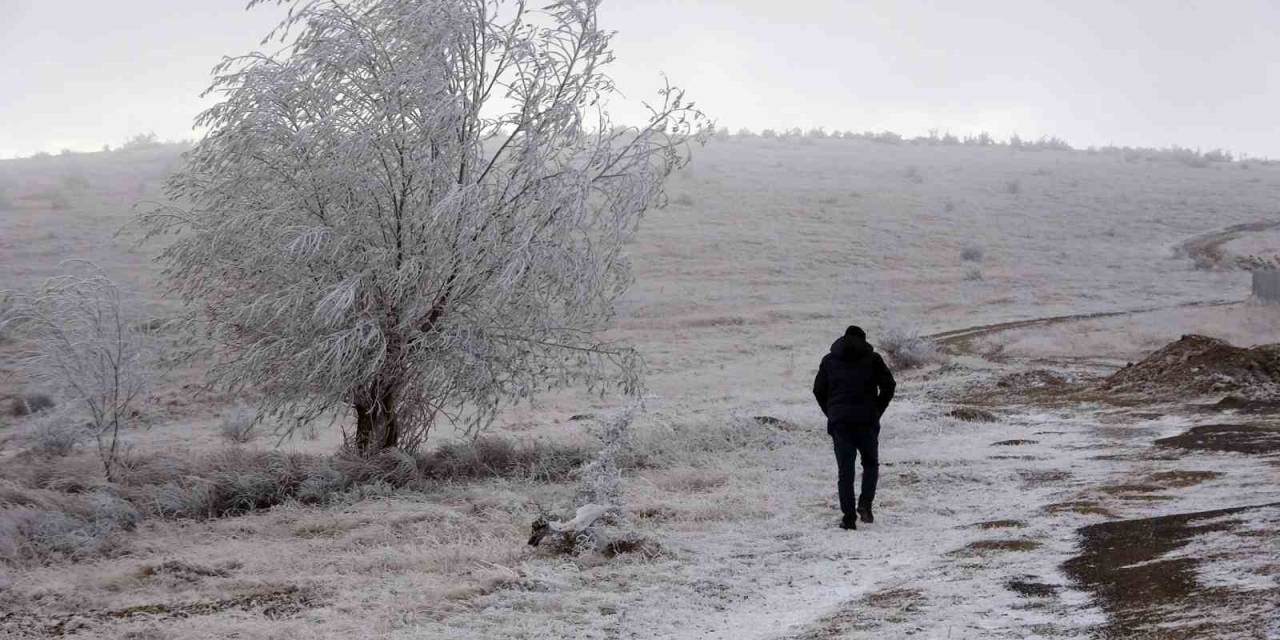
<point>767,250</point>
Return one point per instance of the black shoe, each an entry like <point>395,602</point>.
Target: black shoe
<point>849,523</point>
<point>866,514</point>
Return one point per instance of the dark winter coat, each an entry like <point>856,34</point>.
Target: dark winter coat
<point>854,386</point>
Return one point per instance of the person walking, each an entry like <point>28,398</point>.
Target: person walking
<point>854,387</point>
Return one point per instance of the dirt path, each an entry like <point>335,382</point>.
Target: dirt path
<point>1206,250</point>
<point>961,340</point>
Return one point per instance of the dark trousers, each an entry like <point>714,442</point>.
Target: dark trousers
<point>848,444</point>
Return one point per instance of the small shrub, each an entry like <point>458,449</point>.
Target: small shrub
<point>683,200</point>
<point>972,253</point>
<point>55,435</point>
<point>84,344</point>
<point>912,174</point>
<point>908,349</point>
<point>239,426</point>
<point>973,274</point>
<point>600,480</point>
<point>949,206</point>
<point>1013,187</point>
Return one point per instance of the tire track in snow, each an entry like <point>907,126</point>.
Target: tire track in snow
<point>962,339</point>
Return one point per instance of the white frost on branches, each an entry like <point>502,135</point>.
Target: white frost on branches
<point>418,210</point>
<point>86,344</point>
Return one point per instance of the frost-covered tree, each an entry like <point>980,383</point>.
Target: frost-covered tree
<point>418,210</point>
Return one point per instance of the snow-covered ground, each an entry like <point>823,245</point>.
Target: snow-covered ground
<point>767,251</point>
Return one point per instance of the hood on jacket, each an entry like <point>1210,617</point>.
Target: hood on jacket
<point>851,348</point>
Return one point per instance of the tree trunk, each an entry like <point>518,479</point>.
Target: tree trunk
<point>376,425</point>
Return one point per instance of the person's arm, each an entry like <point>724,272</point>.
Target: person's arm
<point>885,385</point>
<point>820,387</point>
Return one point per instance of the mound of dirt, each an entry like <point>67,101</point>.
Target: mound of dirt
<point>972,414</point>
<point>1198,365</point>
<point>1031,380</point>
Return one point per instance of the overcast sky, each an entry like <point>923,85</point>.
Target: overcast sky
<point>82,73</point>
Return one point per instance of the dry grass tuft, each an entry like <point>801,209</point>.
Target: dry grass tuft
<point>1179,479</point>
<point>1001,524</point>
<point>40,526</point>
<point>985,547</point>
<point>238,426</point>
<point>62,508</point>
<point>691,481</point>
<point>180,570</point>
<point>1082,507</point>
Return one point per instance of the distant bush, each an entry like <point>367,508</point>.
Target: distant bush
<point>1217,155</point>
<point>983,139</point>
<point>1013,187</point>
<point>59,200</point>
<point>745,133</point>
<point>912,174</point>
<point>768,133</point>
<point>1188,157</point>
<point>238,426</point>
<point>907,349</point>
<point>1047,143</point>
<point>971,253</point>
<point>141,141</point>
<point>31,403</point>
<point>973,274</point>
<point>949,206</point>
<point>75,181</point>
<point>885,137</point>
